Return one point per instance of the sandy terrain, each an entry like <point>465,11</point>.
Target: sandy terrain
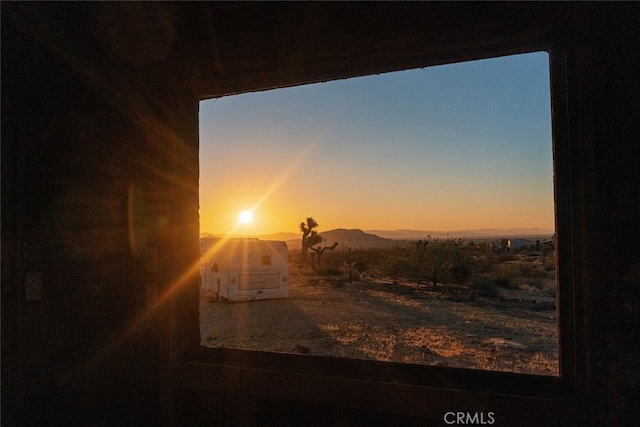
<point>392,321</point>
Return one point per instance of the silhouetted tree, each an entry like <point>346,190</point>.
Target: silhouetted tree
<point>310,238</point>
<point>319,251</point>
<point>310,235</point>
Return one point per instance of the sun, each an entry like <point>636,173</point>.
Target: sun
<point>245,217</point>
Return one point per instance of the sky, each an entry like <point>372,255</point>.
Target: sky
<point>453,147</point>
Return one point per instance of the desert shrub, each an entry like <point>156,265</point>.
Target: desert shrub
<point>508,270</point>
<point>538,284</point>
<point>526,270</point>
<point>485,287</point>
<point>332,259</point>
<point>397,266</point>
<point>368,260</point>
<point>329,271</point>
<point>361,266</point>
<point>460,273</point>
<point>505,256</point>
<point>539,273</point>
<point>483,264</point>
<point>335,263</point>
<point>355,276</point>
<point>496,260</point>
<point>434,258</point>
<point>503,282</point>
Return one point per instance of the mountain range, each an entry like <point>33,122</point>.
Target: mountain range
<point>356,238</point>
<point>468,234</point>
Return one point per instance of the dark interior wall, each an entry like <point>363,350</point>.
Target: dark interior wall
<point>609,239</point>
<point>99,195</point>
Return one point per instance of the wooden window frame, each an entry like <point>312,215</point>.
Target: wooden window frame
<point>404,388</point>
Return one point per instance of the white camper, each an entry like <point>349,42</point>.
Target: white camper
<point>244,269</point>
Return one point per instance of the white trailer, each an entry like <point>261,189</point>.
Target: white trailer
<point>244,269</point>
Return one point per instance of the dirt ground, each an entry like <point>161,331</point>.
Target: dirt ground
<point>392,321</point>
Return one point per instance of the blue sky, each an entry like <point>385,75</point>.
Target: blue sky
<point>458,146</point>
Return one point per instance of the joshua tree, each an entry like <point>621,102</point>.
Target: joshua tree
<point>319,251</point>
<point>310,235</point>
<point>310,238</point>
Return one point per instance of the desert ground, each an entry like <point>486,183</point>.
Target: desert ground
<point>393,320</point>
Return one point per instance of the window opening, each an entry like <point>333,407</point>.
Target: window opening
<point>409,218</point>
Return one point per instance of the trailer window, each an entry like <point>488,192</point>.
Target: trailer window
<point>265,260</point>
<point>432,192</point>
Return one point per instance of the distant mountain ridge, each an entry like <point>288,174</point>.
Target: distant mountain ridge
<point>274,236</point>
<point>349,238</point>
<point>356,238</point>
<point>479,233</point>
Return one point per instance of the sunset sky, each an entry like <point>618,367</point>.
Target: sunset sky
<point>459,146</point>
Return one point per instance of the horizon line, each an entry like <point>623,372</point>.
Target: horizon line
<point>399,230</point>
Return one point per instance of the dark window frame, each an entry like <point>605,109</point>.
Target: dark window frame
<point>271,375</point>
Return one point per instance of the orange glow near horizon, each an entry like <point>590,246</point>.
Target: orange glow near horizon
<point>277,211</point>
<point>269,202</point>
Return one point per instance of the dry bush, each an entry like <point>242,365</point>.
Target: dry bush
<point>526,269</point>
<point>506,275</point>
<point>329,271</point>
<point>397,266</point>
<point>539,273</point>
<point>545,286</point>
<point>537,284</point>
<point>505,256</point>
<point>508,270</point>
<point>504,282</point>
<point>482,266</point>
<point>485,287</point>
